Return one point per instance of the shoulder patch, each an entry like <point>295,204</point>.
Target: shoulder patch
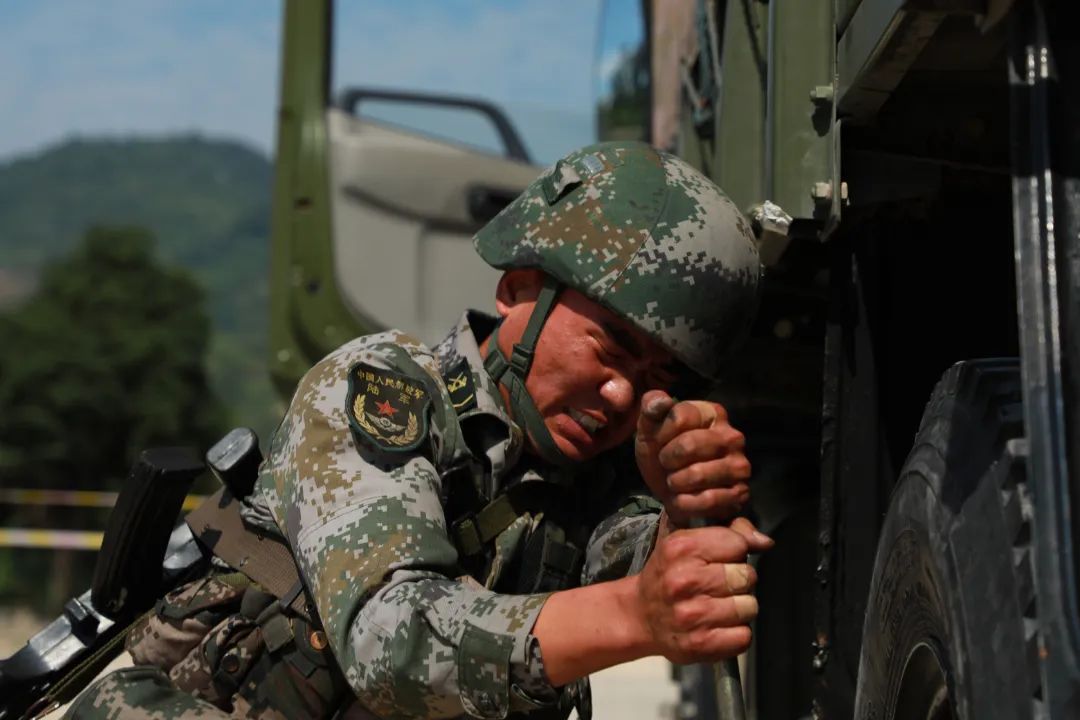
<point>459,383</point>
<point>387,410</point>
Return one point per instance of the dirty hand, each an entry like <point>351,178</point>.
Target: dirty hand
<point>694,592</point>
<point>691,458</point>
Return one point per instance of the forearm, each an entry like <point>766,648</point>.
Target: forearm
<point>590,628</point>
<point>426,646</point>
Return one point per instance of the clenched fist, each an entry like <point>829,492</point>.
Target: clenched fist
<point>691,458</point>
<point>695,591</point>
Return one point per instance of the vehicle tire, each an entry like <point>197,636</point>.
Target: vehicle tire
<point>950,621</point>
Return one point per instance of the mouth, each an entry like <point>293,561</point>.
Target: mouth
<point>590,424</point>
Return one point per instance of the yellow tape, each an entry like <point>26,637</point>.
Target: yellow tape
<point>63,539</point>
<point>75,498</point>
<point>53,539</point>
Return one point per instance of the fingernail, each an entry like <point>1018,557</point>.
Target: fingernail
<point>658,408</point>
<point>763,538</point>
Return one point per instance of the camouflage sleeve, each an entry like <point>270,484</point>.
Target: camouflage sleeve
<point>621,542</point>
<point>371,542</point>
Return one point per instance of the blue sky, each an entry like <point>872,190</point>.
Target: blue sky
<point>122,67</point>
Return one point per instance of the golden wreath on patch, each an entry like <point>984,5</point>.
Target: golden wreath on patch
<point>387,410</point>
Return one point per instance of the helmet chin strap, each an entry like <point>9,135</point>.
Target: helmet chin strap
<point>511,373</point>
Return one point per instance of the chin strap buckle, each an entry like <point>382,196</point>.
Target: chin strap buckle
<point>520,360</point>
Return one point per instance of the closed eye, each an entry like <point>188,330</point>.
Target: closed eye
<point>607,350</point>
<point>613,352</point>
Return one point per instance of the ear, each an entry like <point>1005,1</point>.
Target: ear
<point>517,286</point>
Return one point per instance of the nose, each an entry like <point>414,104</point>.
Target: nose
<point>618,392</point>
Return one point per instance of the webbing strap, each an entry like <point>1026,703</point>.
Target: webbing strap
<point>512,373</point>
<point>545,301</point>
<point>474,531</point>
<point>265,559</point>
<point>549,562</point>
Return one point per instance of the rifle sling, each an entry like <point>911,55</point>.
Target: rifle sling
<point>264,558</point>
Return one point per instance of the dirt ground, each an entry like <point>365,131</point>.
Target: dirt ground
<point>16,627</point>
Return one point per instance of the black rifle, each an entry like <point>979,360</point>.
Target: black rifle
<point>144,554</point>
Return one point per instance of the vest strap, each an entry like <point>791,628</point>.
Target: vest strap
<point>475,530</point>
<point>263,558</point>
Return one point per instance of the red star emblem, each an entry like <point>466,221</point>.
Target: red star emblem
<point>385,408</point>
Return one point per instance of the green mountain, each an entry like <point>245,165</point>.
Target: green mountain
<point>207,202</point>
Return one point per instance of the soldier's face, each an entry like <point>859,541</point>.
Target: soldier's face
<point>590,369</point>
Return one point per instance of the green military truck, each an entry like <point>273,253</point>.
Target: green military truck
<point>910,389</point>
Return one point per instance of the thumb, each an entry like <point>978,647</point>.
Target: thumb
<point>758,541</point>
<point>655,406</point>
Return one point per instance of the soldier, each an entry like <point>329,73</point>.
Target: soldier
<point>474,527</point>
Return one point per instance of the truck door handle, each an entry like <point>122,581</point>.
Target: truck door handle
<point>485,202</point>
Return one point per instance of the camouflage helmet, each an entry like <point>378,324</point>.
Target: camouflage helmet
<point>644,234</point>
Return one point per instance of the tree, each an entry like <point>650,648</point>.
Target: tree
<point>107,359</point>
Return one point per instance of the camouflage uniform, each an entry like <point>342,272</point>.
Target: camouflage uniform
<point>413,634</point>
<point>387,443</point>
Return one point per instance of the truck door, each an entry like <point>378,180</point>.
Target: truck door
<point>412,177</point>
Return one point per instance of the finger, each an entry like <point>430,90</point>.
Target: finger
<point>711,579</point>
<point>701,444</point>
<point>655,406</point>
<point>730,472</point>
<point>716,544</point>
<point>717,644</point>
<point>689,415</point>
<point>722,502</point>
<point>714,612</point>
<point>726,579</point>
<point>729,642</point>
<point>757,540</point>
